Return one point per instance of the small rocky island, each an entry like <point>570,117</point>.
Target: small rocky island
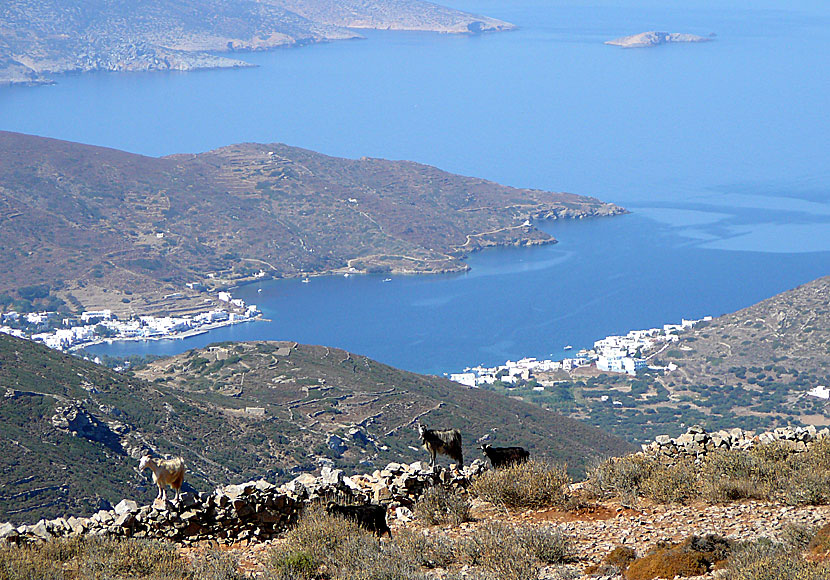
<point>652,38</point>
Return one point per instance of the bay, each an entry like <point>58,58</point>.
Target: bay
<point>720,150</point>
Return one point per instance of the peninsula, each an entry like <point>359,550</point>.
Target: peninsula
<point>646,39</point>
<point>42,38</point>
<point>87,228</point>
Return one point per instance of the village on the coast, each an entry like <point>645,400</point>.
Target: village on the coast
<point>612,354</point>
<point>96,326</point>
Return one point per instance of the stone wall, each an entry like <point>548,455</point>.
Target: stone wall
<point>696,442</point>
<point>252,511</point>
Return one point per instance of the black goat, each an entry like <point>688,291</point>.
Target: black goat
<point>368,516</point>
<point>447,442</point>
<point>505,456</point>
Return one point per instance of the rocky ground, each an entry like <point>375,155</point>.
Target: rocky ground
<point>597,530</point>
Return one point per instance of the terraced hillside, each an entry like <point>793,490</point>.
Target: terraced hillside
<point>100,228</point>
<point>71,430</point>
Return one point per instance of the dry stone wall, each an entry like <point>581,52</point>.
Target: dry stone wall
<point>252,511</point>
<point>697,443</point>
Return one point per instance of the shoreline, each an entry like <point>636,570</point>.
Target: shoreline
<point>176,336</point>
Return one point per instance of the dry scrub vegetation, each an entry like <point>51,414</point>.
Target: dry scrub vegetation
<point>529,485</point>
<point>94,558</point>
<point>761,559</point>
<point>767,472</point>
<point>324,546</point>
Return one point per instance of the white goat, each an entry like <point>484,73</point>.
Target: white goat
<point>165,472</point>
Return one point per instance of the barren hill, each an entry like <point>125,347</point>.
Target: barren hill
<point>106,228</point>
<point>39,38</point>
<point>71,430</point>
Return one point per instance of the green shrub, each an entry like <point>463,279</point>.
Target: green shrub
<point>440,505</point>
<point>532,484</point>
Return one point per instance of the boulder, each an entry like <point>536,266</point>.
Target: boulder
<point>126,506</point>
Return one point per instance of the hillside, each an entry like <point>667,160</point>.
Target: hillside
<point>236,412</point>
<point>39,38</point>
<point>101,228</point>
<point>752,368</point>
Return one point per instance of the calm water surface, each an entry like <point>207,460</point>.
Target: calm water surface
<point>720,150</point>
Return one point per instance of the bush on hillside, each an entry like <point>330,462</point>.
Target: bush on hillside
<point>614,563</point>
<point>440,505</point>
<point>512,552</point>
<point>692,557</point>
<point>623,477</point>
<point>533,484</point>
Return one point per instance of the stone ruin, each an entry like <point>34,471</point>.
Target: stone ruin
<point>253,511</point>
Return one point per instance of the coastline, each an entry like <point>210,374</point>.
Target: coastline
<point>174,336</point>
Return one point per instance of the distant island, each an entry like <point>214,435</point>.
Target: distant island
<point>645,39</point>
<point>41,38</point>
<point>86,228</point>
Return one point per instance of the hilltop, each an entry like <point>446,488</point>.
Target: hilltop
<point>40,38</point>
<point>72,430</point>
<point>101,228</point>
<point>753,367</point>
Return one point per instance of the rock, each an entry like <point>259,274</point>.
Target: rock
<point>336,444</point>
<point>7,531</point>
<point>234,491</point>
<point>40,531</point>
<point>382,494</point>
<point>262,485</point>
<point>126,506</point>
<point>404,514</point>
<point>331,476</point>
<point>125,520</point>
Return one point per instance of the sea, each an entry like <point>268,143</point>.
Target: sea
<point>719,150</point>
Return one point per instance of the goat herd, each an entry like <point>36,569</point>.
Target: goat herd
<point>372,517</point>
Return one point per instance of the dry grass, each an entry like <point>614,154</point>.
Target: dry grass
<point>95,557</point>
<point>766,560</point>
<point>325,547</point>
<point>771,472</point>
<point>529,485</point>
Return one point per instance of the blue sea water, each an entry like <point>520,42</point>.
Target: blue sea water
<point>720,150</point>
